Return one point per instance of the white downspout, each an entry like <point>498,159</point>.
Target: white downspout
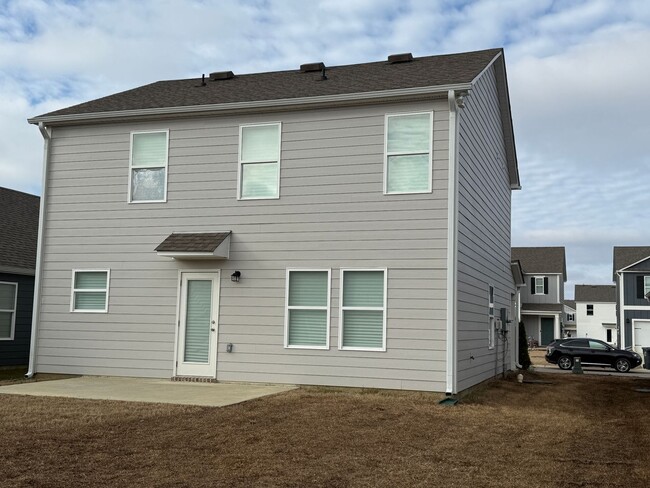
<point>452,247</point>
<point>47,136</point>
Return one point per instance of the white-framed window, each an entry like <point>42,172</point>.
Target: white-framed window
<point>570,317</point>
<point>407,153</point>
<point>90,290</point>
<point>8,300</point>
<point>362,314</point>
<point>307,309</point>
<point>258,175</point>
<point>148,166</point>
<point>646,285</point>
<point>590,309</point>
<point>491,319</point>
<point>539,283</point>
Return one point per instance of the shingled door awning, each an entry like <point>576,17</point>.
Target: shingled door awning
<point>205,245</point>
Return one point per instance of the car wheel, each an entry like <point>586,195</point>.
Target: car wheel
<point>622,365</point>
<point>565,362</point>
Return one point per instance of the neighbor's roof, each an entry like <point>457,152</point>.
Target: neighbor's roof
<point>595,293</point>
<point>542,307</point>
<point>570,304</point>
<point>541,259</point>
<point>18,231</point>
<point>449,69</point>
<point>624,256</point>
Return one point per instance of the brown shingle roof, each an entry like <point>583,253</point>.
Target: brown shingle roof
<point>449,69</point>
<point>541,259</point>
<point>541,307</point>
<point>18,230</point>
<point>570,304</point>
<point>198,242</point>
<point>595,293</point>
<point>627,255</point>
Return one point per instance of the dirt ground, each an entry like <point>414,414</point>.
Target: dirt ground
<point>579,431</point>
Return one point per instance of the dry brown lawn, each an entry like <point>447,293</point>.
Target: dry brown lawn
<point>588,431</point>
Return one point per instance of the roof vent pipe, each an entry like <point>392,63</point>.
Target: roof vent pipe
<point>400,58</point>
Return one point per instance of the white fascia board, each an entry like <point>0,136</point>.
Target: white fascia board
<point>251,105</point>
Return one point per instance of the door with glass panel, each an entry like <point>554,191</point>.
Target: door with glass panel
<point>197,327</point>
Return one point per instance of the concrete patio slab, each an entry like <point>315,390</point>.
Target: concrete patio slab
<point>147,390</point>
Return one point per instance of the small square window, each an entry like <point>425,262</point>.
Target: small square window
<point>148,173</point>
<point>90,291</point>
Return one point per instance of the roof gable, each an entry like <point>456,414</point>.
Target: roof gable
<point>18,231</point>
<point>595,293</point>
<point>625,256</point>
<point>549,260</point>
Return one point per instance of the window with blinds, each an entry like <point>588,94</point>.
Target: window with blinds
<point>408,153</point>
<point>307,309</point>
<point>259,161</point>
<point>8,297</point>
<point>363,310</point>
<point>148,172</point>
<point>90,291</point>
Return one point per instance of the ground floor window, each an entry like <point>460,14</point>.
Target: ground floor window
<point>363,309</point>
<point>90,290</point>
<point>307,314</point>
<point>8,298</point>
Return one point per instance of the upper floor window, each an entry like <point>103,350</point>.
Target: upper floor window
<point>407,165</point>
<point>590,309</point>
<point>90,291</point>
<point>8,297</point>
<point>148,166</point>
<point>259,161</point>
<point>539,285</point>
<point>643,286</point>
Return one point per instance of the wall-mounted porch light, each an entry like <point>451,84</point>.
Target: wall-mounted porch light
<point>235,276</point>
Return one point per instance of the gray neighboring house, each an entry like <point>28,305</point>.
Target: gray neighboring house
<point>18,234</point>
<point>542,299</point>
<point>632,278</point>
<point>569,322</point>
<point>343,225</point>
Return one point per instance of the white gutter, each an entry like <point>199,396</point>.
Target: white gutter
<point>253,105</point>
<point>47,136</point>
<point>452,247</point>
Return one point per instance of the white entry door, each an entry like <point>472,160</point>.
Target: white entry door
<point>197,328</point>
<point>641,335</point>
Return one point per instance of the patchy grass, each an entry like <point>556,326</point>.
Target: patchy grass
<point>590,431</point>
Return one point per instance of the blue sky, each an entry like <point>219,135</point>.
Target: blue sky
<point>577,72</point>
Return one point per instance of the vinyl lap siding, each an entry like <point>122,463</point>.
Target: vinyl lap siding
<point>331,214</point>
<point>483,232</point>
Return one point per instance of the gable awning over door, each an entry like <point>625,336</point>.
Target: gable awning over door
<point>203,245</point>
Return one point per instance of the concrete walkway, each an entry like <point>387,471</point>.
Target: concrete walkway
<point>147,390</point>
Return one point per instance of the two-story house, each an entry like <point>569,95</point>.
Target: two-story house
<point>632,278</point>
<point>596,312</point>
<point>18,233</point>
<point>542,299</point>
<point>343,225</point>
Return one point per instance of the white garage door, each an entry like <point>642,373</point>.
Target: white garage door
<point>641,335</point>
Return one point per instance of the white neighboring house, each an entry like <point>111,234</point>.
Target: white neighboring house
<point>569,320</point>
<point>596,312</point>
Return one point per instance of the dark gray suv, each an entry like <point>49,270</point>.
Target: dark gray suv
<point>591,352</point>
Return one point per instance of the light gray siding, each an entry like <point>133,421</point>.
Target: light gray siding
<point>331,213</point>
<point>483,233</point>
<point>555,290</point>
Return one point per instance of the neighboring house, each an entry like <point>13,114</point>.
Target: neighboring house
<point>345,225</point>
<point>596,312</point>
<point>542,299</point>
<point>632,278</point>
<point>569,321</point>
<point>18,234</point>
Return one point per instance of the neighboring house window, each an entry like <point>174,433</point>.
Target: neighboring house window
<point>259,161</point>
<point>408,153</point>
<point>148,173</point>
<point>570,317</point>
<point>491,321</point>
<point>307,314</point>
<point>90,291</point>
<point>646,286</point>
<point>539,285</point>
<point>8,297</point>
<point>363,310</point>
<point>609,335</point>
<point>590,309</point>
